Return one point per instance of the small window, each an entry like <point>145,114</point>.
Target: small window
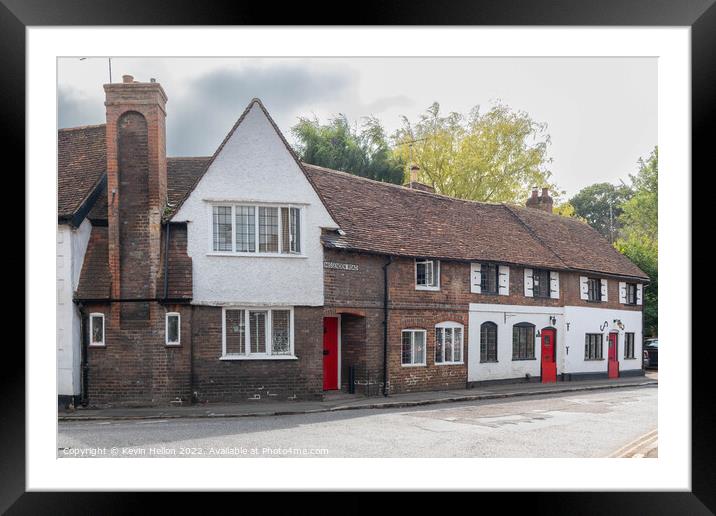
<point>448,343</point>
<point>593,346</point>
<point>427,274</point>
<point>631,293</point>
<point>628,345</point>
<point>413,347</point>
<point>173,329</point>
<point>489,278</point>
<point>488,342</point>
<point>96,329</point>
<point>540,283</point>
<point>523,341</point>
<point>594,289</point>
<point>257,333</point>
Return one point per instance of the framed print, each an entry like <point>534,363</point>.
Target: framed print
<point>421,249</point>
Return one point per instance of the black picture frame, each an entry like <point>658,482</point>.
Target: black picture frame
<point>700,15</point>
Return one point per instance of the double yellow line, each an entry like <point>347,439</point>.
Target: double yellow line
<point>630,450</point>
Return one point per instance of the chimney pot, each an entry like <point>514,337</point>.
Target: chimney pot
<point>545,192</point>
<point>152,80</point>
<point>414,173</point>
<point>534,192</point>
<point>126,79</point>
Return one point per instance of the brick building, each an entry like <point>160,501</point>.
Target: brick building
<point>251,275</point>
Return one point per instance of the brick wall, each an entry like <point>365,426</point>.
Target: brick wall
<point>244,380</point>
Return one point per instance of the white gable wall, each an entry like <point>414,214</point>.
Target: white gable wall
<point>255,166</point>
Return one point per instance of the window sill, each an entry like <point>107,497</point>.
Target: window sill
<point>434,289</point>
<point>173,345</point>
<point>489,361</point>
<point>593,359</point>
<point>258,357</point>
<point>413,365</point>
<point>97,346</point>
<point>523,359</point>
<point>629,358</point>
<point>449,363</point>
<point>255,255</point>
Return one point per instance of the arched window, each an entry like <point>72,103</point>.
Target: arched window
<point>523,341</point>
<point>448,343</point>
<point>488,342</point>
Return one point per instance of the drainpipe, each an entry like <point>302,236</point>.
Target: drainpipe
<point>385,325</point>
<point>84,366</point>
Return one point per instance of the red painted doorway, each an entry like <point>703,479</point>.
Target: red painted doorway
<point>612,356</point>
<point>330,353</point>
<point>549,358</point>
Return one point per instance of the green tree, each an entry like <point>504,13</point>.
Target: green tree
<point>495,156</point>
<point>593,205</point>
<point>362,151</point>
<point>639,239</point>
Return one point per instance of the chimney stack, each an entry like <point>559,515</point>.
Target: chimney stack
<point>414,170</point>
<point>136,189</point>
<point>543,202</point>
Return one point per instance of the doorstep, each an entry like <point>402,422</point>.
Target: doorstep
<point>338,403</point>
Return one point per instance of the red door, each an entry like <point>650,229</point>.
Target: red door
<point>549,359</point>
<point>613,358</point>
<point>330,353</point>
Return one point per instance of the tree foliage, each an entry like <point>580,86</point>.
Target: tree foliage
<point>593,202</point>
<point>639,239</point>
<point>363,150</point>
<point>495,156</point>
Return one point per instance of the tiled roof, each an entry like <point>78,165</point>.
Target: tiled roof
<point>95,281</point>
<point>388,219</point>
<point>81,157</point>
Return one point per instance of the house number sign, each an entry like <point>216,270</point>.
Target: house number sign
<point>340,266</point>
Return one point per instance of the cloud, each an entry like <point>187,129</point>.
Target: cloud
<point>75,108</point>
<point>210,104</point>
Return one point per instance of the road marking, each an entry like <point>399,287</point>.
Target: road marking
<point>629,449</point>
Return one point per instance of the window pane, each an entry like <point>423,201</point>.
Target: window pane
<point>173,328</point>
<point>222,228</point>
<point>448,344</point>
<point>235,332</point>
<point>439,338</point>
<point>257,336</point>
<point>418,347</point>
<point>488,277</point>
<point>421,274</point>
<point>295,230</point>
<point>285,233</point>
<point>406,351</point>
<point>246,229</point>
<point>268,230</point>
<point>280,332</point>
<point>457,344</point>
<point>97,329</point>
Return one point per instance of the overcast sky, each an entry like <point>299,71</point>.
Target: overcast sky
<point>601,113</point>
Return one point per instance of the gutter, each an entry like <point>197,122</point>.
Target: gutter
<point>385,325</point>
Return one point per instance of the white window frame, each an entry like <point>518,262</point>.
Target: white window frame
<point>91,330</point>
<point>268,355</point>
<point>436,274</point>
<point>412,363</point>
<point>451,325</point>
<point>167,342</point>
<point>256,205</point>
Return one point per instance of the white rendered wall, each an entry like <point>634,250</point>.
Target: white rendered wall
<point>506,316</point>
<point>255,166</point>
<point>583,320</point>
<point>71,248</point>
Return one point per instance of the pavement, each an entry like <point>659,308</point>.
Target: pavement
<point>335,402</point>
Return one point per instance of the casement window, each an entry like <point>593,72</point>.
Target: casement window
<point>540,283</point>
<point>413,347</point>
<point>257,333</point>
<point>448,343</point>
<point>172,329</point>
<point>593,346</point>
<point>488,342</point>
<point>245,229</point>
<point>489,278</point>
<point>594,289</point>
<point>427,274</point>
<point>628,345</point>
<point>523,341</point>
<point>96,329</point>
<point>631,293</point>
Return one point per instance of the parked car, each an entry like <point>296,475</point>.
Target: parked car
<point>651,354</point>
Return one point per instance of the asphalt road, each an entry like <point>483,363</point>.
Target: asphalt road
<point>587,424</point>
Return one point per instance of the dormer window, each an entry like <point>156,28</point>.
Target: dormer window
<point>252,229</point>
<point>427,274</point>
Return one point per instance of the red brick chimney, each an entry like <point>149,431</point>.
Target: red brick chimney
<point>136,189</point>
<point>543,202</point>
